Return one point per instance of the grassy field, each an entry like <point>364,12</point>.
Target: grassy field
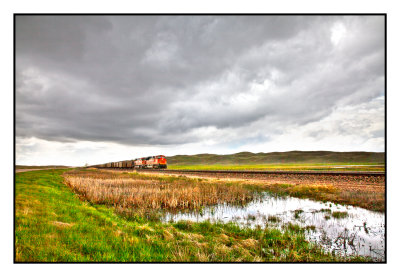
<point>55,224</point>
<point>294,166</point>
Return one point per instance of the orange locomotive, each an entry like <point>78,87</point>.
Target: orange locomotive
<point>156,162</point>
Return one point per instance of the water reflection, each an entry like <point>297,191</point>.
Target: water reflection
<point>344,230</point>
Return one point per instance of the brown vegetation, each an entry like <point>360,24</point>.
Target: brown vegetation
<point>363,191</point>
<point>125,191</point>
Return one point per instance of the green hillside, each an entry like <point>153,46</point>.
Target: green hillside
<point>39,166</point>
<point>291,157</point>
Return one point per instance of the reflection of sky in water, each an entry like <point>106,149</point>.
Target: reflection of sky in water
<point>362,232</point>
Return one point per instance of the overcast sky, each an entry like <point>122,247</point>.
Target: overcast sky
<point>93,89</point>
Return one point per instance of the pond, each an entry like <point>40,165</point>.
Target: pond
<point>341,229</point>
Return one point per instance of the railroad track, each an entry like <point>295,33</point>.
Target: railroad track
<point>271,172</point>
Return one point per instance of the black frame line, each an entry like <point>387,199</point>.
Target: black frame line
<point>195,14</point>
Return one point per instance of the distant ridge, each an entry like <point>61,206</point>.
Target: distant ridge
<point>279,157</point>
<point>40,166</point>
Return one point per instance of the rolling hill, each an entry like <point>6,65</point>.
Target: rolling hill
<point>279,157</point>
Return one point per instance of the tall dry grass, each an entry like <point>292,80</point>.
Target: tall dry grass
<point>155,193</point>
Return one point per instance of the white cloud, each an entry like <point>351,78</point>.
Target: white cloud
<point>338,32</point>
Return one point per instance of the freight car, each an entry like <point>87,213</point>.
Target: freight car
<point>159,161</point>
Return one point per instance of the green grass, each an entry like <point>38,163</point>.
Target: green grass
<point>53,225</point>
<point>340,214</point>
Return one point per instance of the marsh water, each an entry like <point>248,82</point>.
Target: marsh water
<point>341,229</point>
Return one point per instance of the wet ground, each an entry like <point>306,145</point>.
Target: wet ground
<point>344,230</point>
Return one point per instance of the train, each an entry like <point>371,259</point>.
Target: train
<point>159,161</point>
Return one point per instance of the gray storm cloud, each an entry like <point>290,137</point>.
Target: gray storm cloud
<point>176,79</point>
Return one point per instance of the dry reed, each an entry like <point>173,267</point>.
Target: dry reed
<point>153,193</point>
